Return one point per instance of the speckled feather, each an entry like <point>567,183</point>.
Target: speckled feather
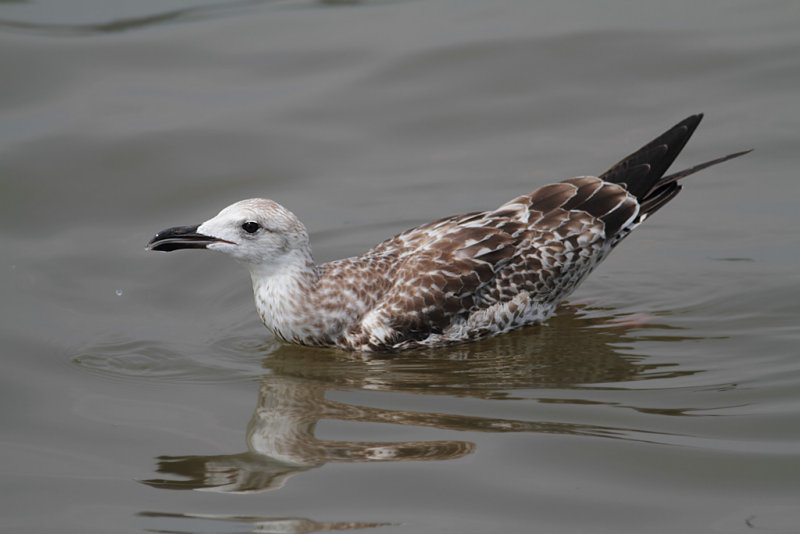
<point>468,276</point>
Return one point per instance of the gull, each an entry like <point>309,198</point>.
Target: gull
<point>454,280</point>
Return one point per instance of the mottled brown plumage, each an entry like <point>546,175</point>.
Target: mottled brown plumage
<point>452,280</point>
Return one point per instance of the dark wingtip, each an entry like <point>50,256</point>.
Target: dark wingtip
<point>643,172</point>
<point>658,154</point>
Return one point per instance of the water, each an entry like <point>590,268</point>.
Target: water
<point>663,398</point>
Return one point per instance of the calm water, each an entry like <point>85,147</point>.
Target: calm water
<point>664,398</point>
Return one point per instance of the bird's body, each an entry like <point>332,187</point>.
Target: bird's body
<point>457,279</point>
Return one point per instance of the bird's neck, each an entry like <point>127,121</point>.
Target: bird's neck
<point>284,295</point>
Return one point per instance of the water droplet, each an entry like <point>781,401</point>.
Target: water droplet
<point>118,292</point>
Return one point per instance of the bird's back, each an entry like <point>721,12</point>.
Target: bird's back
<point>470,276</point>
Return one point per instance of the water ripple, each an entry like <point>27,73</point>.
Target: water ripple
<point>176,16</point>
<point>228,360</point>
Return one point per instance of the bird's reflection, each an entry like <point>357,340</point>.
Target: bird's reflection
<point>261,524</point>
<point>572,352</point>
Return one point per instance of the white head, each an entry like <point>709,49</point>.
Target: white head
<point>258,232</point>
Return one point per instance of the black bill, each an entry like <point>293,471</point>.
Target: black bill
<point>180,237</point>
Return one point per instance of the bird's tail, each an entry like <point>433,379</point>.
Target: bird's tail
<point>642,172</point>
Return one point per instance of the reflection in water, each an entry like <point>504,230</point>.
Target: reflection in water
<point>283,525</point>
<point>570,353</point>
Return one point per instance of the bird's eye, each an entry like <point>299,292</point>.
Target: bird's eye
<point>251,227</point>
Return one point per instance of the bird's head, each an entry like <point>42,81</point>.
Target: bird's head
<point>258,232</point>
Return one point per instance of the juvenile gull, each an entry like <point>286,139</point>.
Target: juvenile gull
<point>453,280</point>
